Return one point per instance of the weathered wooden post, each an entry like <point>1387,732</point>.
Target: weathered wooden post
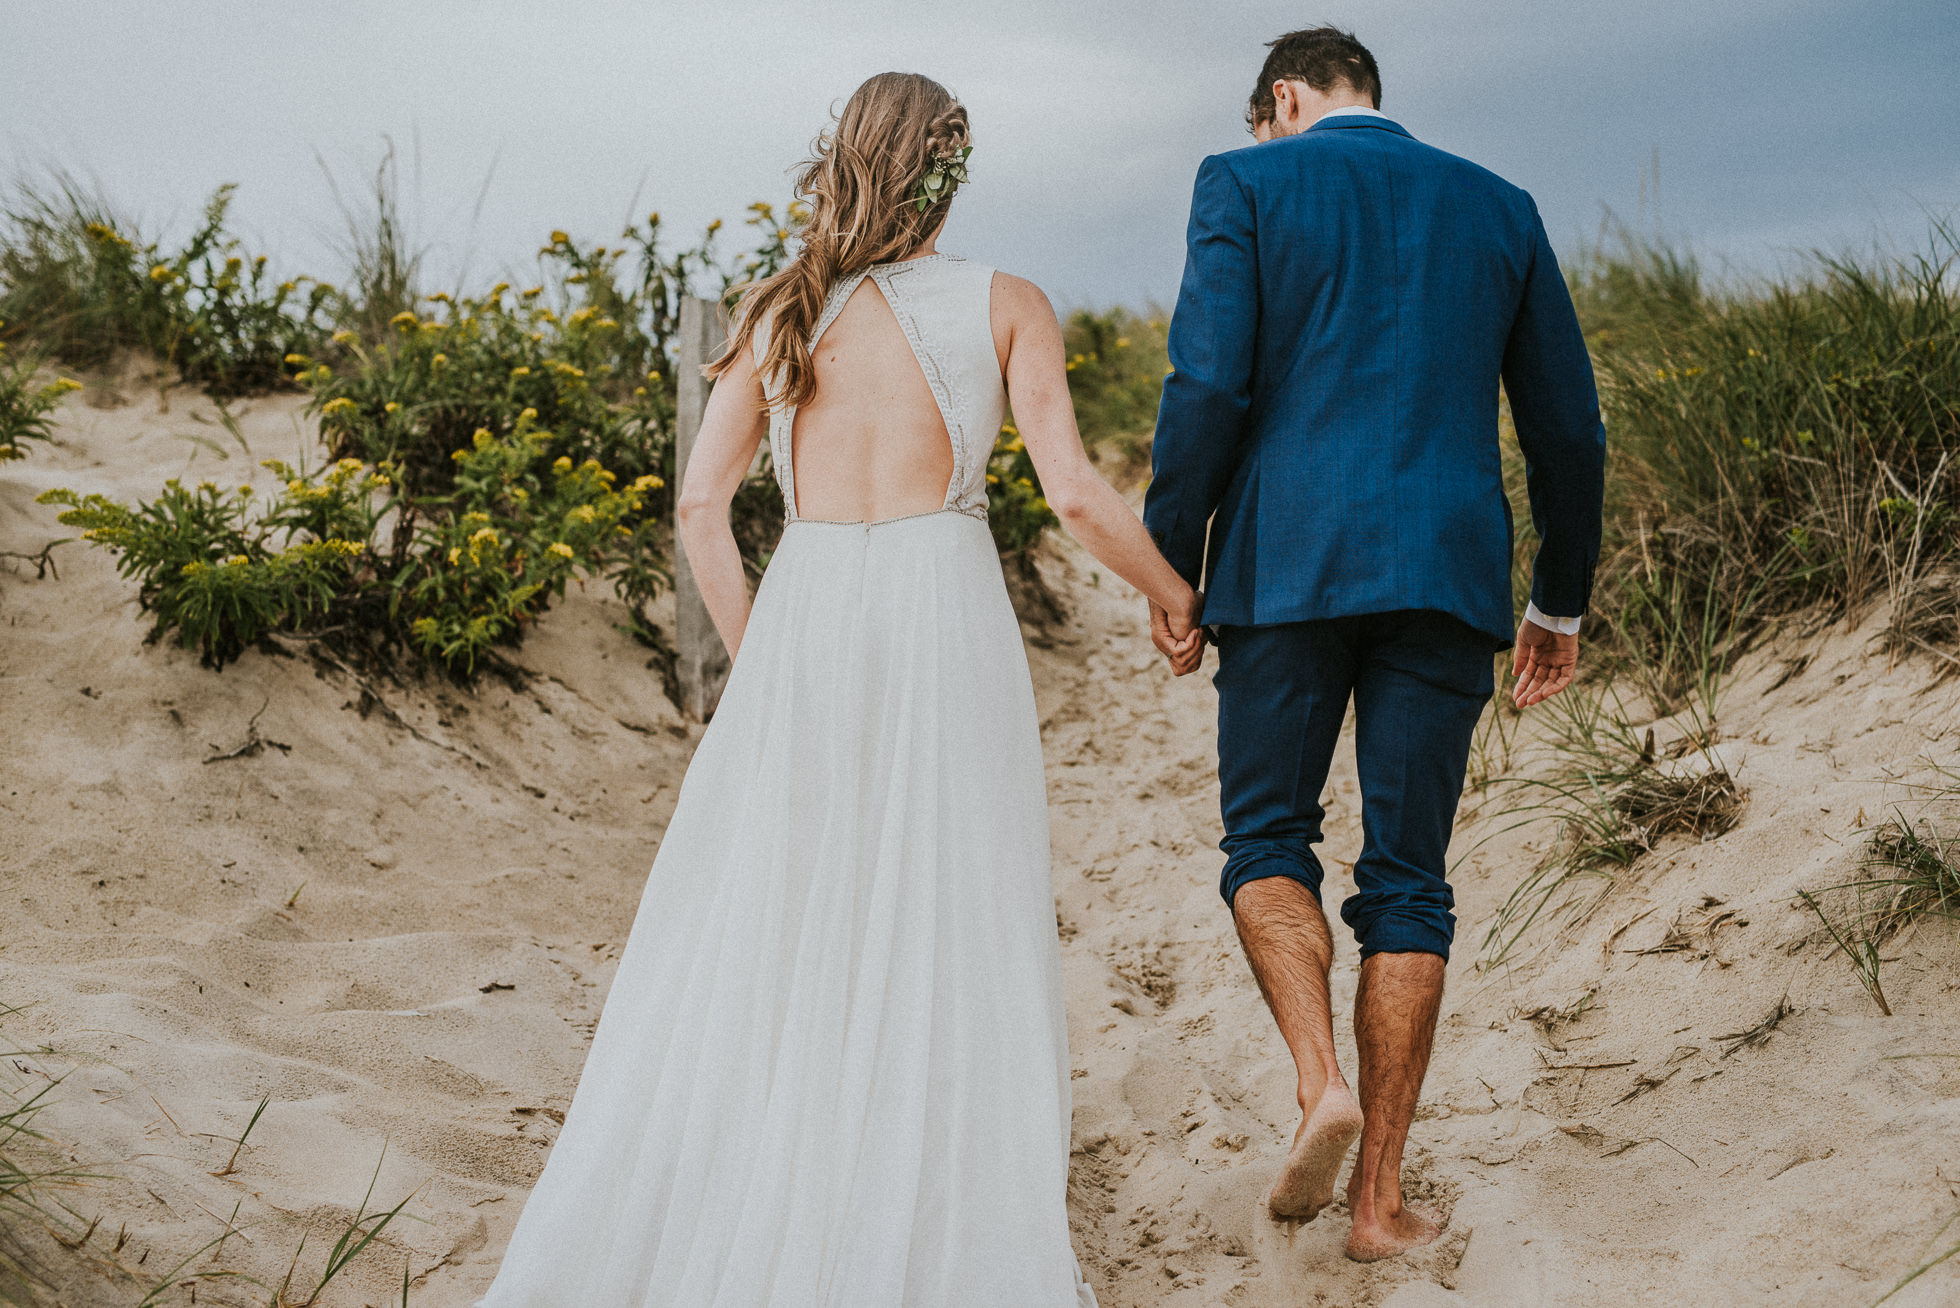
<point>702,659</point>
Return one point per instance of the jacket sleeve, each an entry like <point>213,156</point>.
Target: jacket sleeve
<point>1201,417</point>
<point>1548,379</point>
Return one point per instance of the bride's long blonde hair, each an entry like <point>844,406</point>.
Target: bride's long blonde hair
<point>861,187</point>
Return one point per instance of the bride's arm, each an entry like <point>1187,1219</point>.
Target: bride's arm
<point>1037,387</point>
<point>732,427</point>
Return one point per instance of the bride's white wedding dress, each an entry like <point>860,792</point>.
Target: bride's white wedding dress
<point>832,1068</point>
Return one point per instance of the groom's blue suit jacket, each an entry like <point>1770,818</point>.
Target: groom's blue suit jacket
<point>1351,298</point>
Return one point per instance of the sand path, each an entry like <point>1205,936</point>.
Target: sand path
<point>405,936</point>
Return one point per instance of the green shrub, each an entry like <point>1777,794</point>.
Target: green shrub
<point>1117,362</point>
<point>1016,511</point>
<point>25,405</point>
<point>484,455</point>
<point>209,570</point>
<point>221,571</point>
<point>79,281</point>
<point>522,522</point>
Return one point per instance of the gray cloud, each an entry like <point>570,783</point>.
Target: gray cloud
<point>1780,124</point>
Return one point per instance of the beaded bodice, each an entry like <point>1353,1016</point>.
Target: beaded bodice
<point>943,305</point>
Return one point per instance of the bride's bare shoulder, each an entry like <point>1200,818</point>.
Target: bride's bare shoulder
<point>1018,307</point>
<point>1018,297</point>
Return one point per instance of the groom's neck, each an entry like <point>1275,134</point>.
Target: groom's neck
<point>1305,106</point>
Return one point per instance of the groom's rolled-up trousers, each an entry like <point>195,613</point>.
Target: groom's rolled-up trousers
<point>1419,681</point>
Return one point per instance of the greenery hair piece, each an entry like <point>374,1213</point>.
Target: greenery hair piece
<point>946,174</point>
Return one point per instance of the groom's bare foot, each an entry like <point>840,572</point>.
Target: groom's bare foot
<point>1378,1233</point>
<point>1306,1179</point>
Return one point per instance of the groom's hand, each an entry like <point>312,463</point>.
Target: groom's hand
<point>1543,664</point>
<point>1184,651</point>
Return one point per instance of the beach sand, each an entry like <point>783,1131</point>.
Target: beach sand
<point>400,920</point>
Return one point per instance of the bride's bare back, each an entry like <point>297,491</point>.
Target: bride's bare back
<point>871,443</point>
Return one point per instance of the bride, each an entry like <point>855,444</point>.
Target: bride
<point>832,1068</point>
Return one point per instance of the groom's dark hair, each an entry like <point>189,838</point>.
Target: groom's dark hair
<point>1322,57</point>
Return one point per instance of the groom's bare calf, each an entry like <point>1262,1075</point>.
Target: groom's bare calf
<point>1394,1024</point>
<point>1285,937</point>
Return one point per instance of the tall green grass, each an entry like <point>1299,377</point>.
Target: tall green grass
<point>1776,448</point>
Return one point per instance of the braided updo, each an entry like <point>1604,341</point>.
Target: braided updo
<point>860,183</point>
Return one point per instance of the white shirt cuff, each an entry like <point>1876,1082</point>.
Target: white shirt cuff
<point>1563,626</point>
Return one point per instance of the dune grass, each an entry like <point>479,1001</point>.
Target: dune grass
<point>1609,795</point>
<point>32,1177</point>
<point>1910,869</point>
<point>1777,448</point>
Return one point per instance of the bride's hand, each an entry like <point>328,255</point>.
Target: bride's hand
<point>1177,636</point>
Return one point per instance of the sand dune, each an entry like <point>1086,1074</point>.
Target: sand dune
<point>400,920</point>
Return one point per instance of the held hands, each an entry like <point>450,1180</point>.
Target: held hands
<point>1543,664</point>
<point>1177,636</point>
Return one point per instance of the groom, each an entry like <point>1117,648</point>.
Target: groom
<point>1326,458</point>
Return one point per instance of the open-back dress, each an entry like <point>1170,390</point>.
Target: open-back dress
<point>832,1068</point>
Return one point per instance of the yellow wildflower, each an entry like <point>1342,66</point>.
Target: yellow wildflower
<point>647,483</point>
<point>336,406</point>
<point>344,337</point>
<point>162,273</point>
<point>403,320</point>
<point>583,513</point>
<point>294,360</point>
<point>561,464</point>
<point>520,371</point>
<point>391,406</point>
<point>528,415</point>
<point>559,238</point>
<point>714,227</point>
<point>455,555</point>
<point>439,361</point>
<point>561,549</point>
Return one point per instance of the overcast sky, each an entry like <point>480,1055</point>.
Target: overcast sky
<point>1779,124</point>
